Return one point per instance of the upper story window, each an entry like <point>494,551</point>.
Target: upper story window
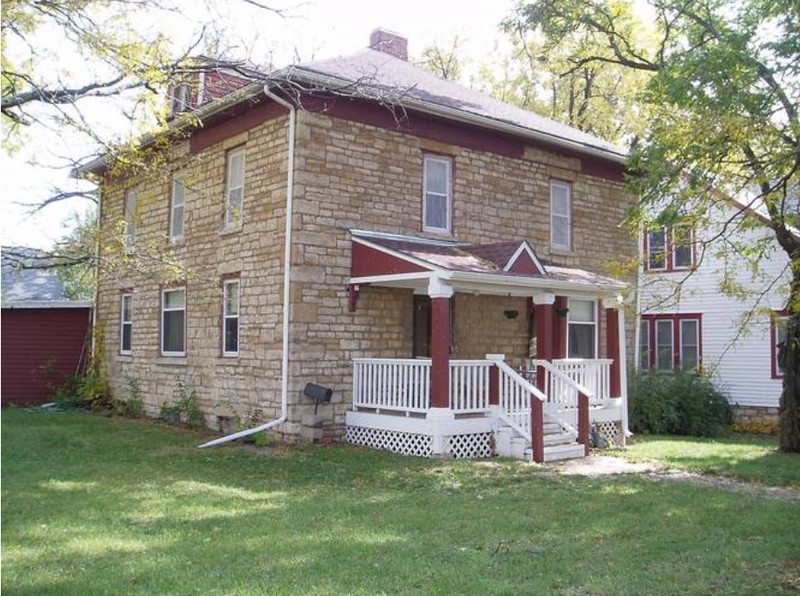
<point>129,233</point>
<point>560,215</point>
<point>437,204</point>
<point>668,342</point>
<point>234,188</point>
<point>670,248</point>
<point>230,318</point>
<point>582,329</point>
<point>173,322</point>
<point>180,97</point>
<point>778,336</point>
<point>126,324</point>
<point>177,211</point>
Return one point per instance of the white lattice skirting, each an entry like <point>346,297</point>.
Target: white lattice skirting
<point>611,431</point>
<point>466,446</point>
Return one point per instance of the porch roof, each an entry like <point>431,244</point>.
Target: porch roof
<point>507,268</point>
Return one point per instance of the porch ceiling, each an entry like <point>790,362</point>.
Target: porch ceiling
<point>504,268</point>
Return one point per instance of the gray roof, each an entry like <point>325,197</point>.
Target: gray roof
<point>21,284</point>
<point>382,76</point>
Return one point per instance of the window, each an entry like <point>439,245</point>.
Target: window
<point>437,202</point>
<point>230,318</point>
<point>778,340</point>
<point>644,345</point>
<point>234,188</point>
<point>670,341</point>
<point>129,234</point>
<point>173,322</point>
<point>180,97</point>
<point>126,324</point>
<point>177,210</point>
<point>560,214</point>
<point>582,329</point>
<point>670,249</point>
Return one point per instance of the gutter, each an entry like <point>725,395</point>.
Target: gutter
<point>287,270</point>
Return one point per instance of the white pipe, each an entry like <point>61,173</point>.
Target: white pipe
<point>287,266</point>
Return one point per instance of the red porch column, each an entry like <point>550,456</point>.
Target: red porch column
<point>440,293</point>
<point>612,345</point>
<point>543,312</point>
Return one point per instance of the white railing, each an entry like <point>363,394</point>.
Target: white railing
<point>392,384</point>
<point>469,386</point>
<point>594,375</point>
<point>516,395</point>
<point>562,393</point>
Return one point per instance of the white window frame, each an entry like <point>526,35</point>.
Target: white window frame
<point>165,310</point>
<point>227,316</point>
<point>664,253</point>
<point>177,205</point>
<point>681,359</point>
<point>180,97</point>
<point>675,246</point>
<point>129,216</point>
<point>592,323</point>
<point>644,345</point>
<point>234,217</point>
<point>448,194</point>
<point>656,345</point>
<point>556,242</point>
<point>126,297</point>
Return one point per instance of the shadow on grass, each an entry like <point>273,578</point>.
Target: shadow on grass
<point>109,506</point>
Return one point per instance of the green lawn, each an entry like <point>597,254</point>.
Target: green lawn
<point>109,506</point>
<point>748,459</point>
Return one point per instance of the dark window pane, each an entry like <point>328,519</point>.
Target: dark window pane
<point>581,341</point>
<point>173,331</point>
<point>656,254</point>
<point>126,337</point>
<point>232,335</point>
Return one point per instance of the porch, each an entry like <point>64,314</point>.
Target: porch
<point>492,409</point>
<point>437,405</point>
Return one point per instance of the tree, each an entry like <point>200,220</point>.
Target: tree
<point>724,91</point>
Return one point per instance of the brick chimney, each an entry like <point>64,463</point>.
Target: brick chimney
<point>390,43</point>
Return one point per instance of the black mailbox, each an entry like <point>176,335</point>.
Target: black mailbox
<point>317,392</point>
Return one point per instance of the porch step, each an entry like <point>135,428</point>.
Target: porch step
<point>558,452</point>
<point>560,438</point>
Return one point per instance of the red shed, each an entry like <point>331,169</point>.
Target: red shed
<point>43,344</point>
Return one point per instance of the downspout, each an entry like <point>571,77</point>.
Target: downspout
<point>287,266</point>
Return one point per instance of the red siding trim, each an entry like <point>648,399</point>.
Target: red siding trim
<point>367,261</point>
<point>453,133</point>
<point>41,349</point>
<point>233,125</point>
<point>525,265</point>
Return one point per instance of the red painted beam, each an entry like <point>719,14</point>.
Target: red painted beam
<point>583,423</point>
<point>440,352</point>
<point>612,350</point>
<point>537,429</point>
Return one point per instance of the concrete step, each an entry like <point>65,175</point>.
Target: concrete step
<point>559,452</point>
<point>558,439</point>
<point>518,447</point>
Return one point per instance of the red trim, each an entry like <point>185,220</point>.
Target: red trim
<point>440,352</point>
<point>537,429</point>
<point>544,315</point>
<point>675,318</point>
<point>368,261</point>
<point>612,350</point>
<point>215,133</point>
<point>773,341</point>
<point>560,328</point>
<point>669,251</point>
<point>524,264</point>
<point>453,133</point>
<point>583,423</point>
<point>494,386</point>
<point>352,297</point>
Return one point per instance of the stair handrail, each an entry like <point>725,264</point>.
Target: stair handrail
<point>537,400</point>
<point>584,397</point>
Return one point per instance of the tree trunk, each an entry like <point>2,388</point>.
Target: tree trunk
<point>789,410</point>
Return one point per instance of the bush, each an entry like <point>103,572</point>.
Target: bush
<point>678,403</point>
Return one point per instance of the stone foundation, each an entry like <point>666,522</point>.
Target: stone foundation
<point>755,415</point>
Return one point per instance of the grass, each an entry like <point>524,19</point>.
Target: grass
<point>103,506</point>
<point>748,459</point>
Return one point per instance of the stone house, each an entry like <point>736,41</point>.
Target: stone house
<point>427,253</point>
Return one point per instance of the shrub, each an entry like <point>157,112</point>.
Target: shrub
<point>678,403</point>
